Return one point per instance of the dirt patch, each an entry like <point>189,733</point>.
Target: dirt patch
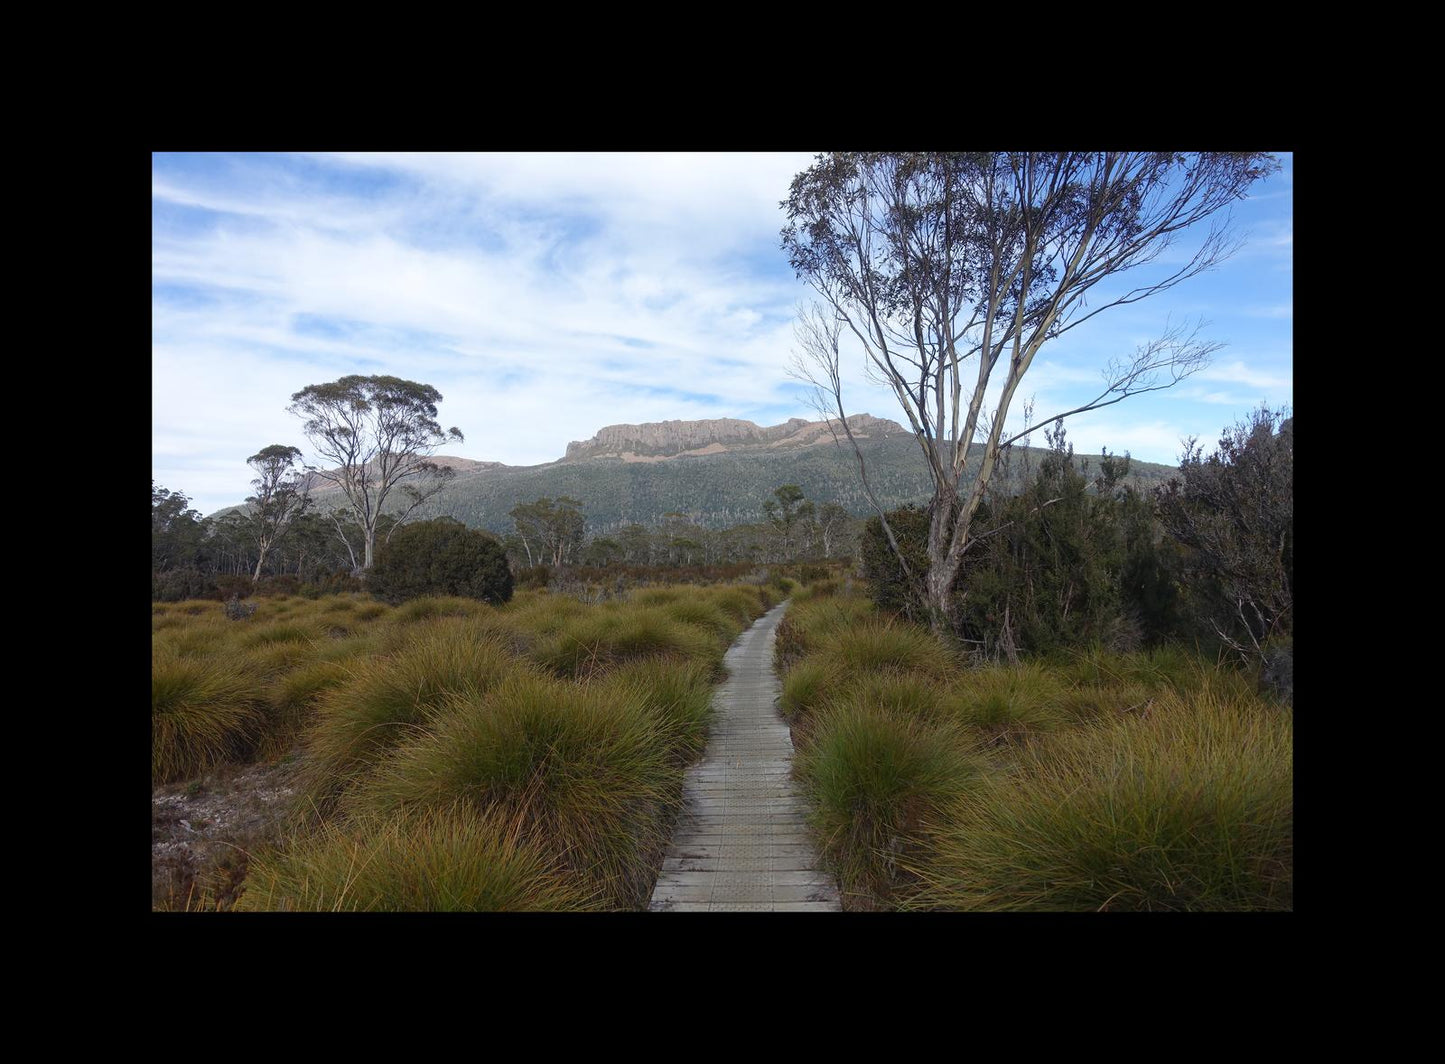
<point>204,830</point>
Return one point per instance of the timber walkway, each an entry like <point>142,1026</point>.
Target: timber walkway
<point>741,842</point>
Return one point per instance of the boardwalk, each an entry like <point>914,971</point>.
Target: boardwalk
<point>741,844</point>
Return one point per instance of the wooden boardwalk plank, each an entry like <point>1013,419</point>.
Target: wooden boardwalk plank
<point>741,843</point>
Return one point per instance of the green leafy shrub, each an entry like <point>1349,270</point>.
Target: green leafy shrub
<point>441,557</point>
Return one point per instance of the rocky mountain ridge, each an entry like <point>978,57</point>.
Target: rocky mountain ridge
<point>675,439</point>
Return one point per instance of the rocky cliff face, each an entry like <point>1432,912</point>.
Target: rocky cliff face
<point>671,439</point>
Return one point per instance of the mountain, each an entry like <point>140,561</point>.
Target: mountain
<point>717,472</point>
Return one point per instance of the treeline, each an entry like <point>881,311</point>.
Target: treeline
<point>1077,558</point>
<point>216,557</point>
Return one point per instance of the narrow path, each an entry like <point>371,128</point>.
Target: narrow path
<point>741,843</point>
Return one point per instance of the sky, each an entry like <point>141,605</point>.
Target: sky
<point>546,295</point>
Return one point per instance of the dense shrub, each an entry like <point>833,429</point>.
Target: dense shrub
<point>177,585</point>
<point>891,589</point>
<point>441,557</point>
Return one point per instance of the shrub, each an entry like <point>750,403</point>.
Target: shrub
<point>441,557</point>
<point>177,585</point>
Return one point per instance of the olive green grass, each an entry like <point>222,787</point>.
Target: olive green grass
<point>590,778</point>
<point>391,697</point>
<point>874,777</point>
<point>203,712</point>
<point>1186,805</point>
<point>454,860</point>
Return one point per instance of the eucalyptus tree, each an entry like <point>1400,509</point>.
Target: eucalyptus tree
<point>281,497</point>
<point>375,437</point>
<point>952,270</point>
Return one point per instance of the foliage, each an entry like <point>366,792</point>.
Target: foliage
<point>550,529</point>
<point>944,267</point>
<point>236,610</point>
<point>281,497</point>
<point>441,557</point>
<point>1233,513</point>
<point>377,435</point>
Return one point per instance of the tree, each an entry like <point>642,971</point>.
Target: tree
<point>831,518</point>
<point>378,435</point>
<point>785,510</point>
<point>281,497</point>
<point>551,530</point>
<point>176,530</point>
<point>948,267</point>
<point>442,557</point>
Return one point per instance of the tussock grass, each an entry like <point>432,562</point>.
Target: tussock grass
<point>878,646</point>
<point>592,645</point>
<point>904,695</point>
<point>281,632</point>
<point>387,699</point>
<point>743,604</point>
<point>202,713</point>
<point>370,611</point>
<point>431,607</point>
<point>680,693</point>
<point>1187,806</point>
<point>1009,703</point>
<point>543,614</point>
<point>805,686</point>
<point>446,861</point>
<point>656,596</point>
<point>198,638</point>
<point>584,774</point>
<point>875,777</point>
<point>708,616</point>
<point>1158,669</point>
<point>818,589</point>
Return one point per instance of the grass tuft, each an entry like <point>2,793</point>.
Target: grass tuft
<point>586,775</point>
<point>1185,806</point>
<point>202,713</point>
<point>445,861</point>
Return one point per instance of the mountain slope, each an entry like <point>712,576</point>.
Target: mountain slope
<point>716,472</point>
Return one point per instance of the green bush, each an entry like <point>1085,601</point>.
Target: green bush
<point>441,557</point>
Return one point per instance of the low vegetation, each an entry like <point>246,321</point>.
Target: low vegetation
<point>1089,780</point>
<point>449,754</point>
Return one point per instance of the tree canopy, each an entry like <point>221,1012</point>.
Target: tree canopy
<point>375,436</point>
<point>281,497</point>
<point>952,270</point>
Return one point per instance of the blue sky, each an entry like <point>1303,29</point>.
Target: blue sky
<point>546,295</point>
